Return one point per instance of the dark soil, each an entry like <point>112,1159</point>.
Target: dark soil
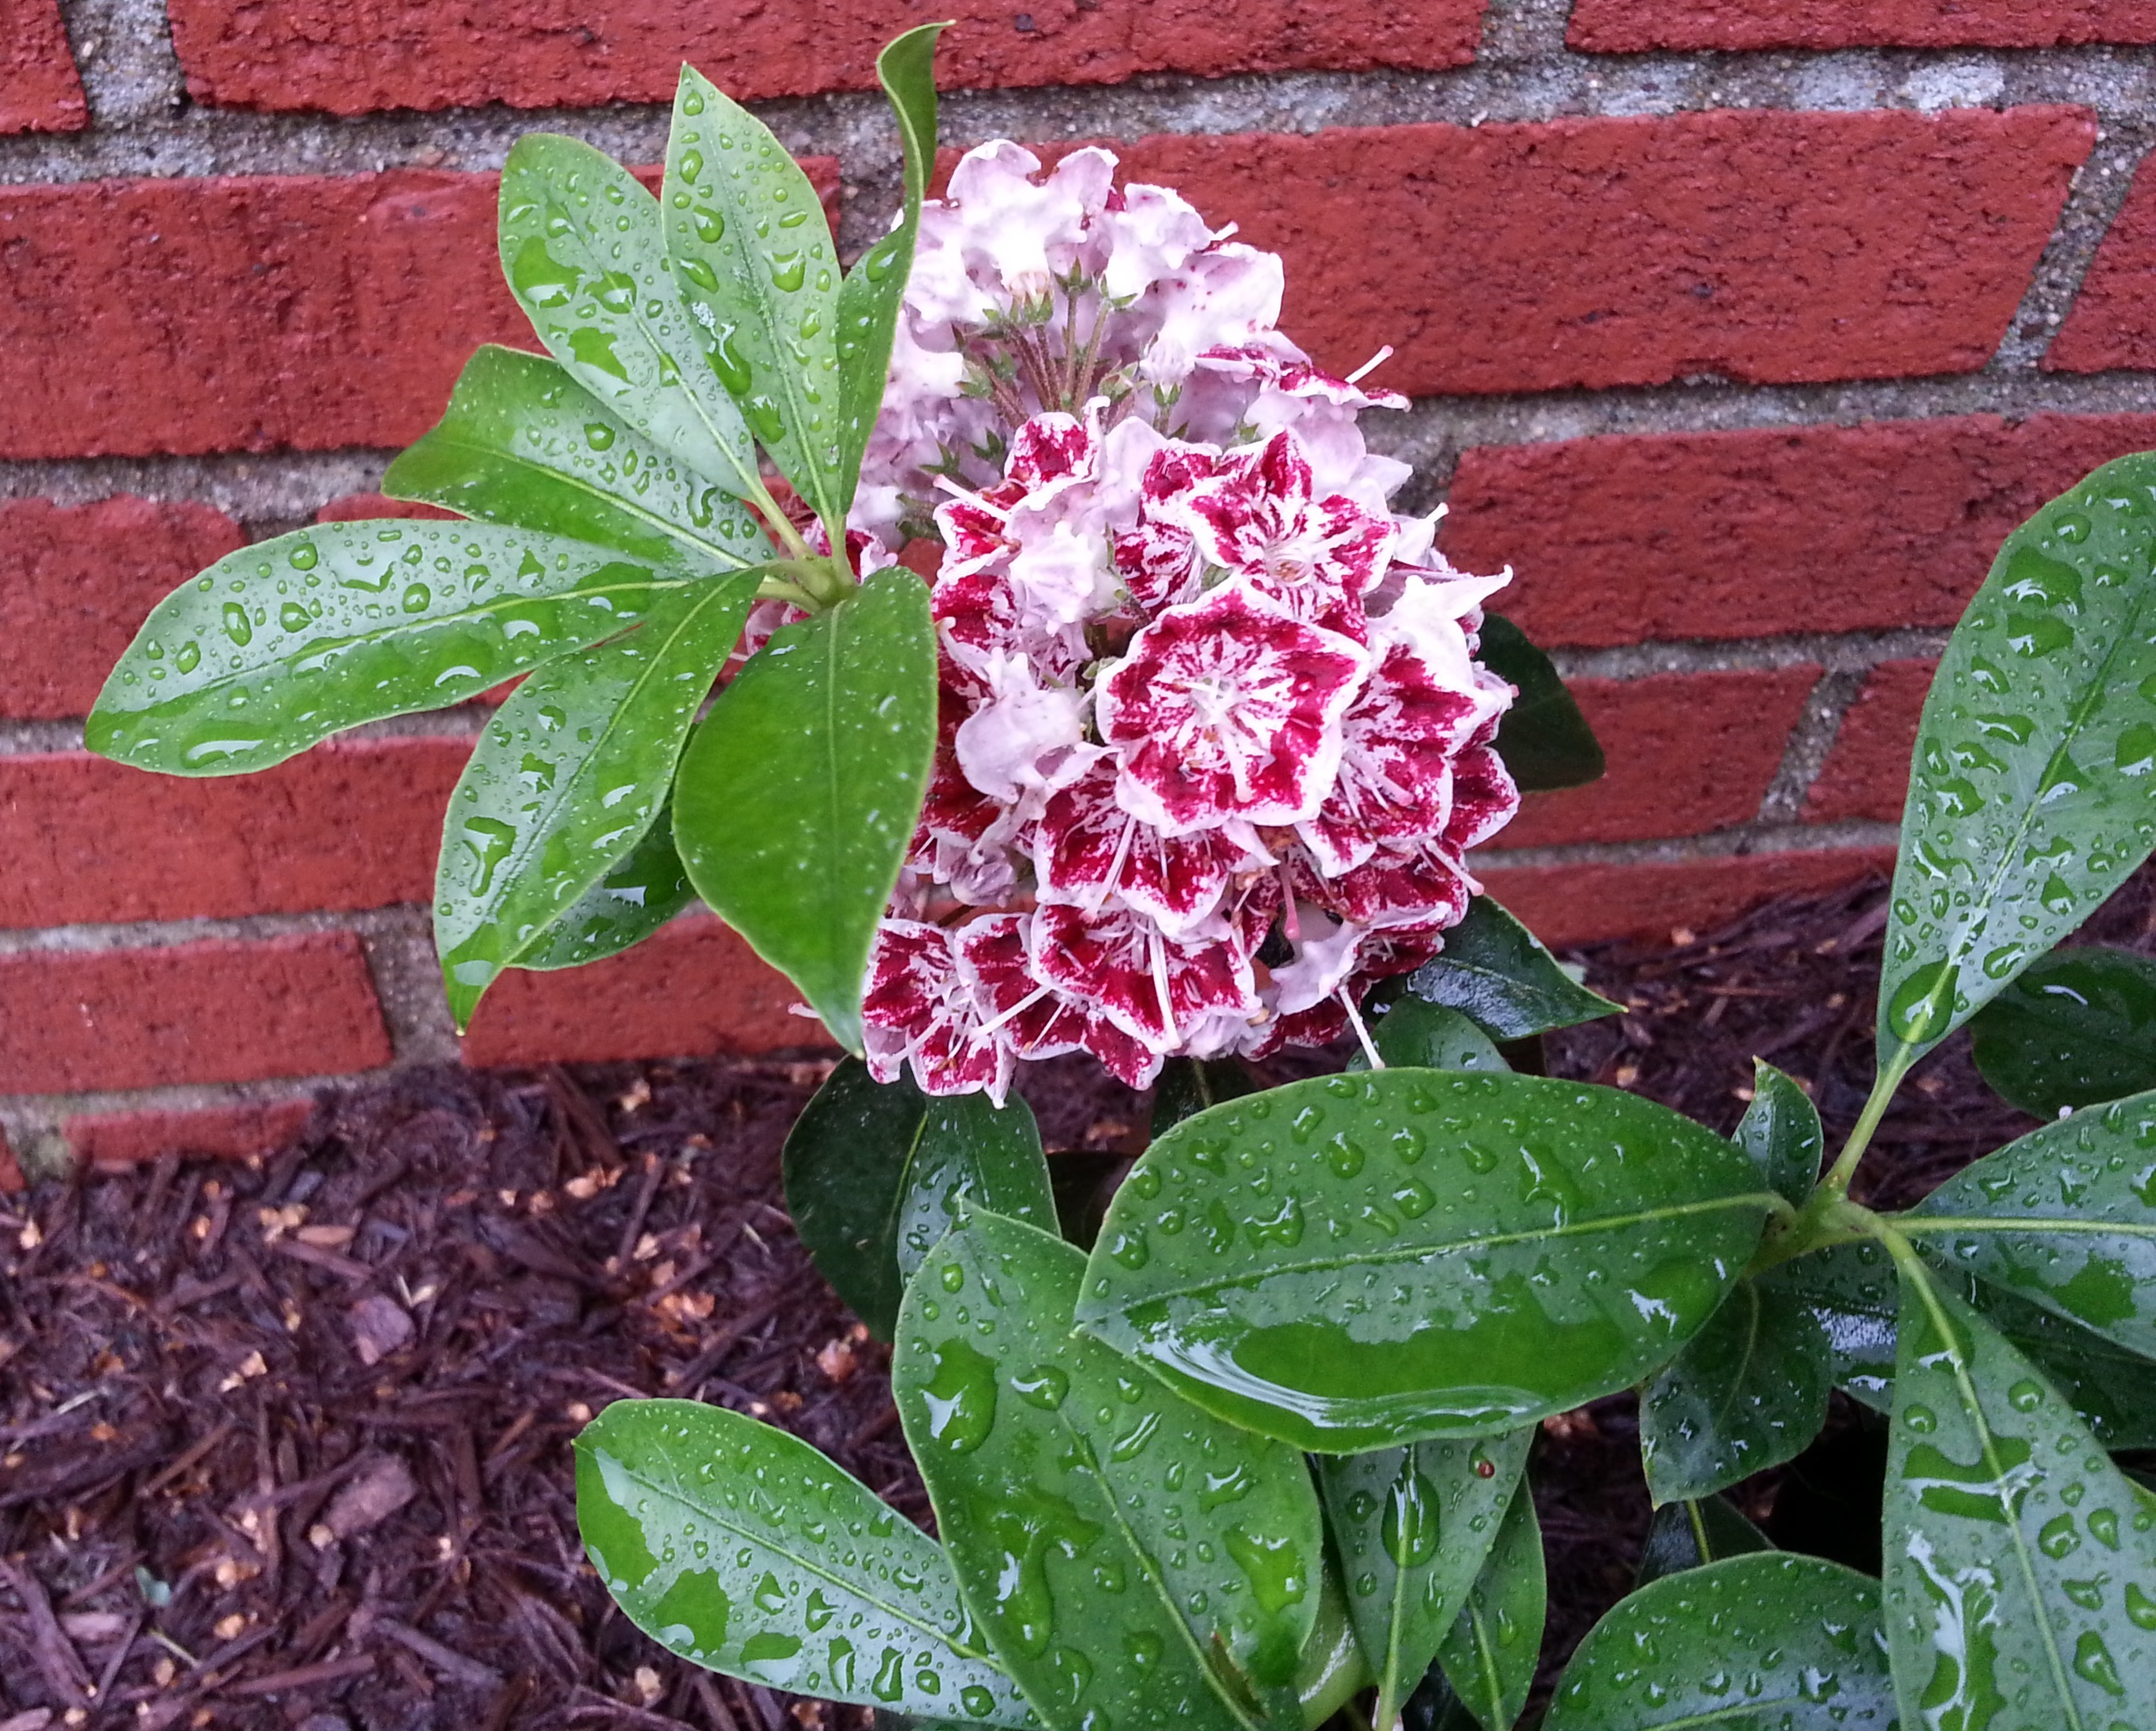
<point>287,1444</point>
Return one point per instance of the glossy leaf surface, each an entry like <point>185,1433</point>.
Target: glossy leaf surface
<point>639,894</point>
<point>799,792</point>
<point>1780,1130</point>
<point>1417,1035</point>
<point>1748,1392</point>
<point>1412,1527</point>
<point>1493,972</point>
<point>2020,1565</point>
<point>753,257</point>
<point>743,1550</point>
<point>1353,1262</point>
<point>1544,740</point>
<point>585,254</point>
<point>2065,1217</point>
<point>523,443</point>
<point>868,297</point>
<point>1490,1651</point>
<point>1129,1555</point>
<point>1690,1536</point>
<point>875,1171</point>
<point>2078,1028</point>
<point>1188,1085</point>
<point>283,644</point>
<point>2029,798</point>
<point>1769,1643</point>
<point>566,778</point>
<point>1850,1288</point>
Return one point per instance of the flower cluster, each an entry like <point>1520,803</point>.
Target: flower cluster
<point>1214,741</point>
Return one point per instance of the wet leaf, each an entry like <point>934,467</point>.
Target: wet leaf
<point>1780,1130</point>
<point>639,894</point>
<point>1130,1556</point>
<point>741,1549</point>
<point>2020,1565</point>
<point>1544,740</point>
<point>1493,972</point>
<point>283,644</point>
<point>1489,1653</point>
<point>1748,1392</point>
<point>753,259</point>
<point>875,1173</point>
<point>799,792</point>
<point>2029,798</point>
<point>1850,1289</point>
<point>585,254</point>
<point>1187,1085</point>
<point>2065,1217</point>
<point>1412,1527</point>
<point>1689,1535</point>
<point>869,298</point>
<point>1776,1639</point>
<point>1354,1261</point>
<point>521,442</point>
<point>1415,1035</point>
<point>2078,1028</point>
<point>567,778</point>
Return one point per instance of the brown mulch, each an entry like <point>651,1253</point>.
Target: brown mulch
<point>287,1444</point>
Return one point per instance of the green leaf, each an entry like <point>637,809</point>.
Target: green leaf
<point>1850,1289</point>
<point>1544,740</point>
<point>875,1173</point>
<point>1354,1261</point>
<point>1493,972</point>
<point>2065,1217</point>
<point>1777,1640</point>
<point>2020,1565</point>
<point>647,888</point>
<point>1413,1526</point>
<point>754,260</point>
<point>1689,1535</point>
<point>283,644</point>
<point>1333,1668</point>
<point>2028,799</point>
<point>869,298</point>
<point>1748,1392</point>
<point>2078,1028</point>
<point>586,256</point>
<point>1490,1651</point>
<point>1780,1130</point>
<point>522,442</point>
<point>798,794</point>
<point>567,778</point>
<point>741,1549</point>
<point>1130,1556</point>
<point>1188,1085</point>
<point>1414,1035</point>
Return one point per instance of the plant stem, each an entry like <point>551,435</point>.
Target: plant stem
<point>1867,1123</point>
<point>778,589</point>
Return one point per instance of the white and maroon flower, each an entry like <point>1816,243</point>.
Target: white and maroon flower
<point>1088,849</point>
<point>1226,708</point>
<point>1155,987</point>
<point>1035,1019</point>
<point>921,1010</point>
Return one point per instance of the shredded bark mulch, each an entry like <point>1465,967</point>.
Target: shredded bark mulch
<point>287,1444</point>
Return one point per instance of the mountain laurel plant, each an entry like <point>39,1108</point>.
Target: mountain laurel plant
<point>1258,1458</point>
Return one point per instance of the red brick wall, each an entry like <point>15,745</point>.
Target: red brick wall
<point>1742,329</point>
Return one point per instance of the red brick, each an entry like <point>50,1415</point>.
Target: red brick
<point>191,315</point>
<point>114,1140</point>
<point>223,1010</point>
<point>1622,539</point>
<point>1630,26</point>
<point>1582,904</point>
<point>12,1182</point>
<point>2113,323</point>
<point>349,825</point>
<point>358,507</point>
<point>1687,753</point>
<point>694,988</point>
<point>76,580</point>
<point>1866,773</point>
<point>366,54</point>
<point>39,89</point>
<point>1762,245</point>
